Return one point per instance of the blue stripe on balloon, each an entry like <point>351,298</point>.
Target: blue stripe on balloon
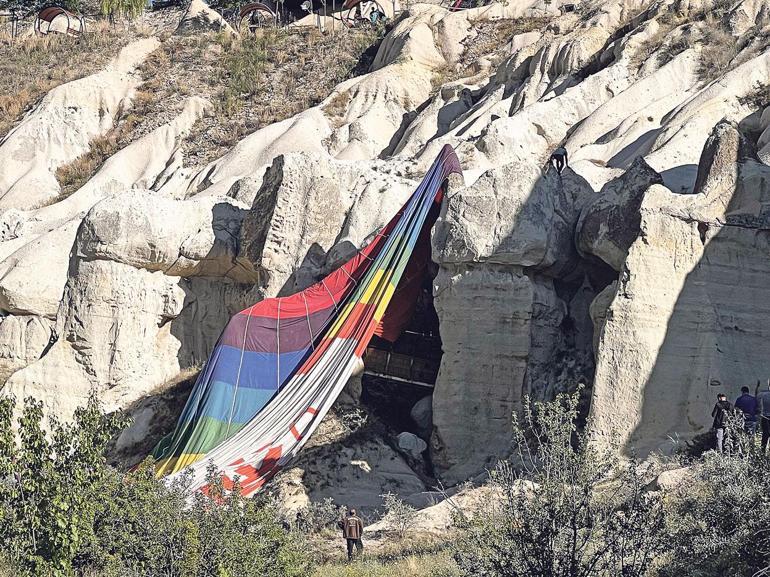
<point>258,370</point>
<point>219,402</point>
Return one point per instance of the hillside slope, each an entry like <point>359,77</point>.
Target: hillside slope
<point>640,271</point>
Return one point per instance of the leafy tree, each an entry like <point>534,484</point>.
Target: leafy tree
<point>564,508</point>
<point>127,9</point>
<point>64,511</point>
<point>47,504</point>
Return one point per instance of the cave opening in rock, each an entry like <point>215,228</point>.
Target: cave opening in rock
<point>399,376</point>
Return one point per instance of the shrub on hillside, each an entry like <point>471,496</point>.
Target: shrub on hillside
<point>319,516</point>
<point>64,511</point>
<point>720,522</point>
<point>126,9</point>
<point>564,507</point>
<point>398,515</point>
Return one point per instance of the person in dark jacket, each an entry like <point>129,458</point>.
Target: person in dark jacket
<point>763,410</point>
<point>720,412</point>
<point>559,159</point>
<point>747,404</point>
<point>352,530</point>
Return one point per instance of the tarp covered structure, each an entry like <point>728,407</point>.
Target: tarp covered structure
<point>280,364</point>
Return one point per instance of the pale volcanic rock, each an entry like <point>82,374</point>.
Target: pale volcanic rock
<point>61,127</point>
<point>23,339</point>
<point>515,214</point>
<point>200,17</point>
<point>698,263</point>
<point>610,223</point>
<point>309,204</point>
<point>127,314</point>
<point>646,254</point>
<point>485,314</point>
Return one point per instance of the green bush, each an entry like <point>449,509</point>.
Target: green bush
<point>47,505</point>
<point>564,508</point>
<point>720,521</point>
<point>64,511</point>
<point>127,9</point>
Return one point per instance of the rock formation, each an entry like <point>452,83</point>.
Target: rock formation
<point>639,272</point>
<point>697,264</point>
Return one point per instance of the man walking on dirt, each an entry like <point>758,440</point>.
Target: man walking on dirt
<point>352,530</point>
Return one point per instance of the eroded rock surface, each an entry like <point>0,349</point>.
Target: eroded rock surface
<point>699,263</point>
<point>640,271</point>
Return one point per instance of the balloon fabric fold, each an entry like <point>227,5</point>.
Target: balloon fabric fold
<point>280,364</point>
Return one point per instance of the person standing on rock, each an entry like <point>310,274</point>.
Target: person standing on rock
<point>747,403</point>
<point>720,412</point>
<point>352,530</point>
<point>763,411</point>
<point>559,159</point>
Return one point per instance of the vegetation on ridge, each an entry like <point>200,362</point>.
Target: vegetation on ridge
<point>64,511</point>
<point>251,82</point>
<point>32,67</point>
<point>562,508</point>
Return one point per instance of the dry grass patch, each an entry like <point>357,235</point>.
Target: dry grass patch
<point>429,565</point>
<point>490,41</point>
<point>75,174</point>
<point>262,79</point>
<point>252,82</point>
<point>416,555</point>
<point>493,36</point>
<point>680,31</point>
<point>718,50</point>
<point>337,106</point>
<point>30,67</point>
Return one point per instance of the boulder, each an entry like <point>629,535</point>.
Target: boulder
<point>513,215</point>
<point>610,223</point>
<point>411,444</point>
<point>422,413</point>
<point>197,237</point>
<point>671,479</point>
<point>200,17</point>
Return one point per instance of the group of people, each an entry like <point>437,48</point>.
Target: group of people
<point>753,409</point>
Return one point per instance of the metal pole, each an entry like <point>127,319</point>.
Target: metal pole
<point>324,1</point>
<point>334,11</point>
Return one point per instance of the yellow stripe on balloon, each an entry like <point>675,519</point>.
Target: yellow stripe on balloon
<point>375,286</point>
<point>176,464</point>
<point>384,302</point>
<point>340,320</point>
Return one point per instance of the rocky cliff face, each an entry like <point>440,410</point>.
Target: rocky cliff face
<point>639,272</point>
<point>693,328</point>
